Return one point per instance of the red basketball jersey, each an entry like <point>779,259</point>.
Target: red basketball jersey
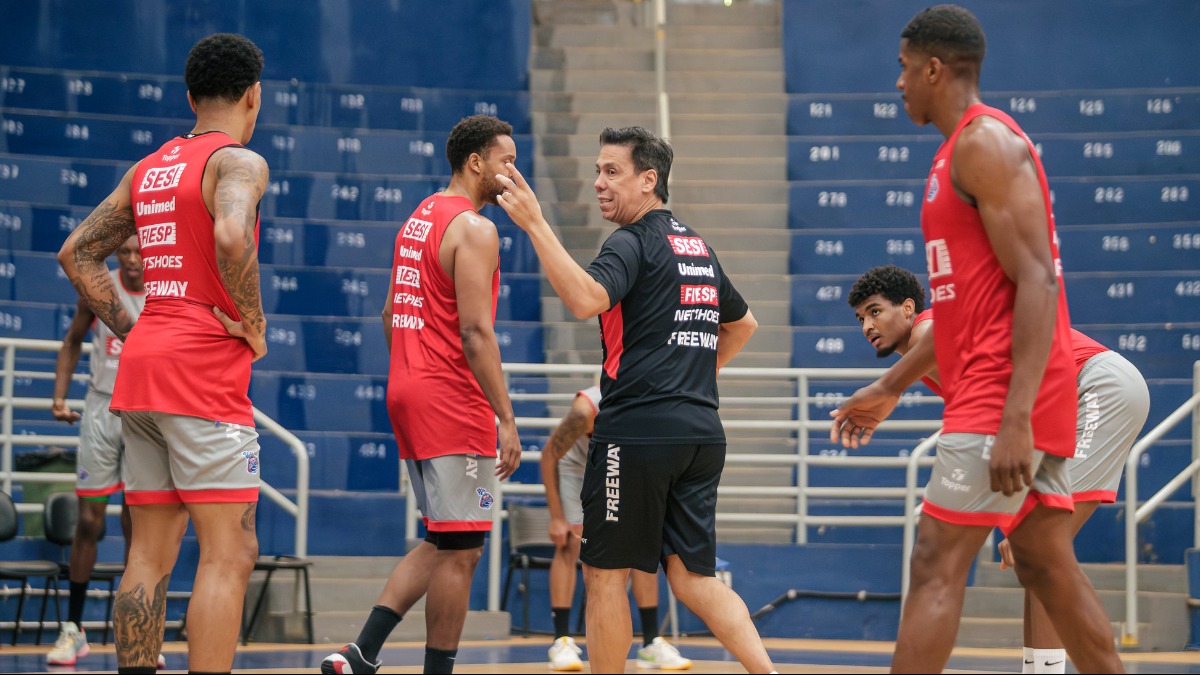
<point>974,302</point>
<point>435,404</point>
<point>179,359</point>
<point>936,388</point>
<point>1084,348</point>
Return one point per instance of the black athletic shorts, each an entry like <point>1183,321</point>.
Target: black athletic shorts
<point>642,503</point>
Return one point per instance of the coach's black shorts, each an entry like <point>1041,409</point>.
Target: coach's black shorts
<point>642,503</point>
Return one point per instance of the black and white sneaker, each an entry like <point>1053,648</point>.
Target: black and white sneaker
<point>349,660</point>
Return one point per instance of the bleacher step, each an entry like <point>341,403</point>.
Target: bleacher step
<point>691,37</point>
<point>342,626</point>
<point>1104,577</point>
<point>1007,633</point>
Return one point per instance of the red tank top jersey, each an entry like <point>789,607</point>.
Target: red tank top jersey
<point>974,302</point>
<point>936,388</point>
<point>179,359</point>
<point>1084,348</point>
<point>435,404</point>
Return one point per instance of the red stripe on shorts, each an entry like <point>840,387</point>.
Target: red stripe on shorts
<point>149,497</point>
<point>459,525</point>
<point>980,518</point>
<point>216,496</point>
<point>100,492</point>
<point>1102,496</point>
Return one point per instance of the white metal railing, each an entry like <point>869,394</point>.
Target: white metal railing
<point>1135,515</point>
<point>9,403</point>
<point>660,68</point>
<point>801,520</point>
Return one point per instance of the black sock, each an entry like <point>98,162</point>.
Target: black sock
<point>649,623</point>
<point>75,605</point>
<point>137,670</point>
<point>440,660</point>
<point>376,630</point>
<point>562,621</point>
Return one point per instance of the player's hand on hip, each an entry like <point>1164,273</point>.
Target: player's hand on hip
<point>1006,555</point>
<point>510,450</point>
<point>1011,465</point>
<point>855,420</point>
<point>237,329</point>
<point>518,199</point>
<point>62,413</point>
<point>559,530</point>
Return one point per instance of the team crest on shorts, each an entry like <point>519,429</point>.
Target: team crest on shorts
<point>485,499</point>
<point>251,461</point>
<point>84,475</point>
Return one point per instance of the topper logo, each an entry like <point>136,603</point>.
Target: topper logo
<point>162,178</point>
<point>416,229</point>
<point>408,276</point>
<point>698,295</point>
<point>156,235</point>
<point>693,246</point>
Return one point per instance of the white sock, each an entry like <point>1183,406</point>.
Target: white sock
<point>1050,660</point>
<point>1027,660</point>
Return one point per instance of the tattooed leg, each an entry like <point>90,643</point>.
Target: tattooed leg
<point>138,619</point>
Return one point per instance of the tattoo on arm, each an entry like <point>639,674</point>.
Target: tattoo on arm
<point>241,182</point>
<point>248,516</point>
<point>568,430</point>
<point>138,622</point>
<point>100,234</point>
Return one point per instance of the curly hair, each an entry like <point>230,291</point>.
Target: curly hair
<point>649,152</point>
<point>949,32</point>
<point>222,66</point>
<point>894,283</point>
<point>474,134</point>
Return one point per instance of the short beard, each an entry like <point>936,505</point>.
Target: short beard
<point>885,352</point>
<point>491,188</point>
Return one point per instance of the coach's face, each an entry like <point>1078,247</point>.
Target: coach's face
<point>623,192</point>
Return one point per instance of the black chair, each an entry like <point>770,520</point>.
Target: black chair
<point>529,548</point>
<point>23,570</point>
<point>270,566</point>
<point>62,514</point>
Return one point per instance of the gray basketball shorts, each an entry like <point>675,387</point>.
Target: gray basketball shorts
<point>98,467</point>
<point>178,458</point>
<point>1113,405</point>
<point>960,489</point>
<point>455,493</point>
<point>570,489</point>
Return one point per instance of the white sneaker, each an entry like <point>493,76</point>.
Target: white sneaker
<point>564,654</point>
<point>70,646</point>
<point>162,662</point>
<point>661,654</point>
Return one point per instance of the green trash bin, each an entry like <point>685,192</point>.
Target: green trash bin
<point>43,460</point>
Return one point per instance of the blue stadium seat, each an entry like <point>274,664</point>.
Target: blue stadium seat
<point>1148,154</point>
<point>337,461</point>
<point>1105,201</point>
<point>866,203</point>
<point>850,115</point>
<point>1133,297</point>
<point>30,227</point>
<point>86,137</point>
<point>832,346</point>
<point>851,158</point>
<point>1098,110</point>
<point>318,291</point>
<point>1158,350</point>
<point>34,277</point>
<point>529,384</point>
<point>520,298</point>
<point>822,300</point>
<point>57,181</point>
<point>35,321</point>
<point>33,89</point>
<point>323,402</point>
<point>855,251</point>
<point>1130,248</point>
<point>520,342</point>
<point>17,226</point>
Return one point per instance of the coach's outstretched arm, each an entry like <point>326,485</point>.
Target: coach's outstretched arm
<point>583,295</point>
<point>83,254</point>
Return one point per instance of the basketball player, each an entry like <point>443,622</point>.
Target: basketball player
<point>669,319</point>
<point>190,444</point>
<point>1113,403</point>
<point>563,460</point>
<point>445,393</point>
<point>1005,368</point>
<point>100,447</point>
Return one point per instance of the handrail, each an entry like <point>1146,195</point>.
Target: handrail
<point>799,458</point>
<point>911,509</point>
<point>660,68</point>
<point>1135,515</point>
<point>298,509</point>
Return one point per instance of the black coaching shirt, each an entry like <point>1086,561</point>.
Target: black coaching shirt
<point>668,296</point>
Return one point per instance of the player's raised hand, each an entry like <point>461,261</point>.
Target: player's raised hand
<point>518,199</point>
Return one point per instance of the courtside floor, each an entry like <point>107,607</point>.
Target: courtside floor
<point>528,655</point>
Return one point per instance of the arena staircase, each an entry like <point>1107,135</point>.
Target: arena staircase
<point>592,66</point>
